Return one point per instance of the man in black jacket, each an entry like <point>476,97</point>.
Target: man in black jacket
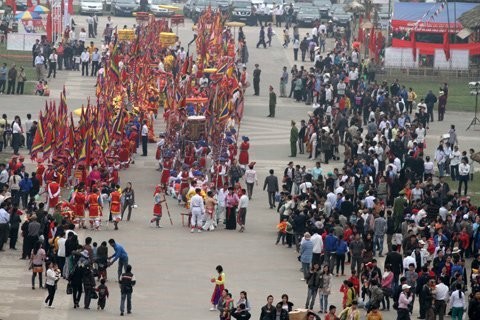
<point>271,184</point>
<point>268,310</point>
<point>394,259</point>
<point>430,100</point>
<point>127,282</point>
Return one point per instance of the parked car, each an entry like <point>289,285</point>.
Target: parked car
<point>307,15</point>
<point>156,8</point>
<point>242,11</point>
<point>225,6</point>
<point>107,5</point>
<point>91,6</point>
<point>339,16</point>
<point>199,6</point>
<point>324,7</point>
<point>21,5</point>
<point>124,7</point>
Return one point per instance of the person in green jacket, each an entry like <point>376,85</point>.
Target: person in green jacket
<point>293,140</point>
<point>272,102</point>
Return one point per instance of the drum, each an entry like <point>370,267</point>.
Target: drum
<point>195,128</point>
<point>126,35</point>
<point>168,38</point>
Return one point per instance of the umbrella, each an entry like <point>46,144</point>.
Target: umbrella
<point>27,16</point>
<point>169,7</point>
<point>39,9</point>
<point>78,111</point>
<point>354,7</point>
<point>366,25</point>
<point>235,24</point>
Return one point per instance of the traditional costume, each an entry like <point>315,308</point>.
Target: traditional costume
<point>243,158</point>
<point>94,209</point>
<point>167,166</point>
<point>40,171</point>
<point>78,199</point>
<point>115,207</point>
<point>219,287</point>
<point>157,206</point>
<point>53,190</point>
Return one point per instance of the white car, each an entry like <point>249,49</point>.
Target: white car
<point>91,6</point>
<point>157,9</point>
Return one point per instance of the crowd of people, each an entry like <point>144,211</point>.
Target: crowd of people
<point>51,245</point>
<point>388,190</point>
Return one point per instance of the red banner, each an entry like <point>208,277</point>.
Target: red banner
<point>429,48</point>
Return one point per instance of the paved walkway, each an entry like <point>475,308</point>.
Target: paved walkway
<point>172,266</point>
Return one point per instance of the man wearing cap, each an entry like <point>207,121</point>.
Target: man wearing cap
<point>288,175</point>
<point>404,303</point>
<point>293,140</point>
<point>198,210</point>
<point>250,178</point>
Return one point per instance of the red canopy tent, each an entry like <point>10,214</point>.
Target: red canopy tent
<point>412,18</point>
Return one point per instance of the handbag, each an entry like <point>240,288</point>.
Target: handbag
<point>38,269</point>
<point>69,288</point>
<point>93,295</point>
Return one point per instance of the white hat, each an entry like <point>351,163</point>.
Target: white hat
<point>84,253</point>
<point>405,286</point>
<point>421,242</point>
<point>456,250</point>
<point>465,216</point>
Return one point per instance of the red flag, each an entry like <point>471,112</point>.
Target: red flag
<point>446,45</point>
<point>70,6</point>
<point>372,44</point>
<point>414,45</point>
<point>360,31</point>
<point>49,27</point>
<point>12,4</point>
<point>29,3</point>
<point>37,144</point>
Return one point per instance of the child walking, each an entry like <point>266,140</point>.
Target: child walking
<point>102,290</point>
<point>282,231</point>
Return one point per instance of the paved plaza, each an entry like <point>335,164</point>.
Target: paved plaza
<point>173,267</point>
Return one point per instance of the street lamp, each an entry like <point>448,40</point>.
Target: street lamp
<point>474,89</point>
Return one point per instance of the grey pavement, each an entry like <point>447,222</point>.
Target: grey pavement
<point>172,266</point>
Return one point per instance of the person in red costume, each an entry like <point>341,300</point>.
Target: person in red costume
<point>124,155</point>
<point>20,163</point>
<point>115,206</point>
<point>189,154</point>
<point>79,200</point>
<point>40,171</point>
<point>157,206</point>
<point>80,174</point>
<point>50,174</point>
<point>12,164</point>
<point>243,158</point>
<point>184,179</point>
<point>167,166</point>
<point>133,142</point>
<point>94,208</point>
<point>53,191</point>
<point>94,176</point>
